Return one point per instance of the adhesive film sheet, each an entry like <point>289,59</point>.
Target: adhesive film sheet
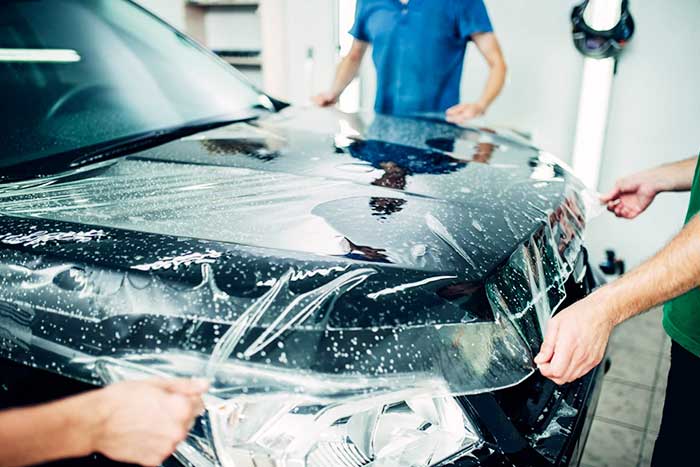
<point>276,260</point>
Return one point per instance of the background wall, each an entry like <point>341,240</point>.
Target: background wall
<point>654,119</point>
<point>237,29</point>
<point>544,72</point>
<point>306,41</point>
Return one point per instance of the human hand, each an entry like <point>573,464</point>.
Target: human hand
<point>632,195</point>
<point>325,99</point>
<point>142,422</point>
<point>460,113</point>
<point>575,340</point>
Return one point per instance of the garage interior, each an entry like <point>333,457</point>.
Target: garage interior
<point>604,118</point>
<point>290,48</point>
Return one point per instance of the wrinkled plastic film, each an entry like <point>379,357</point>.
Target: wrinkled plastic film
<point>441,271</point>
<point>279,343</point>
<point>531,286</point>
<point>284,340</point>
<point>360,288</point>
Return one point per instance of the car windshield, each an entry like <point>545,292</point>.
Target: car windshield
<point>79,73</point>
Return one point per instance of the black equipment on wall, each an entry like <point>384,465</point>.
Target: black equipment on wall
<point>601,44</point>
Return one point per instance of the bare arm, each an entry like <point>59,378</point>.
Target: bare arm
<point>670,273</point>
<point>576,338</point>
<point>345,73</point>
<point>633,194</point>
<point>676,176</point>
<point>136,422</point>
<point>488,45</point>
<point>58,430</point>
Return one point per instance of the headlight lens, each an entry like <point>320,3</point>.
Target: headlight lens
<point>407,428</point>
<point>279,431</point>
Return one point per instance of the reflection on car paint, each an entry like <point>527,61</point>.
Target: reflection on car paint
<point>43,237</point>
<point>175,262</point>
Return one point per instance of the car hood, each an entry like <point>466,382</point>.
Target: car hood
<point>309,251</point>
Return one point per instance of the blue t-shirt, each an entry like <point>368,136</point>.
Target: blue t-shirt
<point>418,50</point>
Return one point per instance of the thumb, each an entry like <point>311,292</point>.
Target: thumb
<point>613,194</point>
<point>550,338</point>
<point>184,386</point>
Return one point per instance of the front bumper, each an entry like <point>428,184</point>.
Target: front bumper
<point>507,442</point>
<point>558,438</point>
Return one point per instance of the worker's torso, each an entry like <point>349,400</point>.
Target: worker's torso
<point>682,315</point>
<point>418,51</point>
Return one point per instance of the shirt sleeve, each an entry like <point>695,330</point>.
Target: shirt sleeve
<point>473,18</point>
<point>359,28</point>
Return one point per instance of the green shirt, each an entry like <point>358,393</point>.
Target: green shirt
<point>682,314</point>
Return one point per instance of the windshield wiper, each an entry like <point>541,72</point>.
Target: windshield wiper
<point>151,139</point>
<point>77,158</point>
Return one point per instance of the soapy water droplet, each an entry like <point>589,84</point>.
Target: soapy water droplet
<point>356,168</point>
<point>419,250</point>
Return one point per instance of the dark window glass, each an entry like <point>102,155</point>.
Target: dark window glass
<point>75,73</point>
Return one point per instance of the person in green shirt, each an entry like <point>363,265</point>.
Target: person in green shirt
<point>576,338</point>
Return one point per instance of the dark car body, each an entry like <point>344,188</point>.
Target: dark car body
<point>338,261</point>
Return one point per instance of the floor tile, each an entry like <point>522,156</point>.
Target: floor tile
<point>662,375</point>
<point>639,350</point>
<point>630,364</point>
<point>610,445</point>
<point>666,346</point>
<point>624,403</point>
<point>643,332</point>
<point>653,316</point>
<point>647,449</point>
<point>656,411</point>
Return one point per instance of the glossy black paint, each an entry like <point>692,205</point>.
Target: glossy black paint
<point>382,176</point>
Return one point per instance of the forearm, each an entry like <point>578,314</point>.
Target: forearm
<point>345,73</point>
<point>671,272</point>
<point>47,432</point>
<point>494,84</point>
<point>676,176</point>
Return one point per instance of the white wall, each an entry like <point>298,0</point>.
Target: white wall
<point>293,29</point>
<point>273,29</point>
<point>654,119</point>
<point>544,72</point>
<point>311,28</point>
<point>237,29</point>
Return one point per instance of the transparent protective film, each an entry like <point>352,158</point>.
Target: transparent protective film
<point>304,329</point>
<point>325,305</point>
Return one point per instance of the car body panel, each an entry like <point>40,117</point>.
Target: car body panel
<point>272,260</point>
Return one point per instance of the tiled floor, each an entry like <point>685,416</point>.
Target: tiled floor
<point>629,410</point>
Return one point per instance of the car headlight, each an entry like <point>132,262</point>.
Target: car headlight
<point>412,427</point>
<point>285,431</point>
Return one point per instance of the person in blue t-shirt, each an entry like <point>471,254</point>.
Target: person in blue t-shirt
<point>418,47</point>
